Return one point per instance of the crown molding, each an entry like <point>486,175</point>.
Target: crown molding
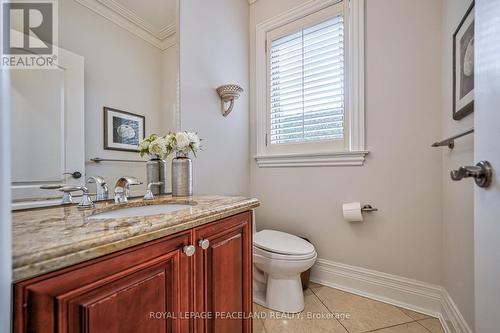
<point>130,21</point>
<point>129,15</point>
<point>166,32</point>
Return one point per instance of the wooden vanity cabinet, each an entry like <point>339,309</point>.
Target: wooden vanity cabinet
<point>223,275</point>
<point>152,287</point>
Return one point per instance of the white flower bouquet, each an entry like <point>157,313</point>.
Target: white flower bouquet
<point>157,146</point>
<point>184,142</point>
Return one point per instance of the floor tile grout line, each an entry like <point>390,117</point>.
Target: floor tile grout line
<point>413,320</point>
<point>376,300</point>
<point>326,306</point>
<point>383,328</point>
<point>426,316</point>
<point>368,298</point>
<point>263,326</point>
<point>390,326</point>
<point>400,309</point>
<point>428,330</point>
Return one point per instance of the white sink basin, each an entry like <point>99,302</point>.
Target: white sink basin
<point>139,211</point>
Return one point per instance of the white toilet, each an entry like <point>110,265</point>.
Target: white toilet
<point>279,259</point>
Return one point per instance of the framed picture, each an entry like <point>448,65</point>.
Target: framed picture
<point>123,130</point>
<point>463,66</point>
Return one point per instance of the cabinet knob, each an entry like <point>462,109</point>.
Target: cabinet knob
<point>189,250</point>
<point>204,243</point>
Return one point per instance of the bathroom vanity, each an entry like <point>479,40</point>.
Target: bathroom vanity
<point>187,270</point>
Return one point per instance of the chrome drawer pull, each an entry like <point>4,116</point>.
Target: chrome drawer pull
<point>204,243</point>
<point>189,250</point>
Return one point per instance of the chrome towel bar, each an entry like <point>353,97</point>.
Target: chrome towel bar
<point>99,160</point>
<point>450,142</point>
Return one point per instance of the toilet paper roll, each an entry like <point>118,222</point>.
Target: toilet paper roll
<point>352,212</point>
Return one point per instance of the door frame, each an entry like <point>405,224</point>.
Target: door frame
<point>74,134</point>
<point>5,202</point>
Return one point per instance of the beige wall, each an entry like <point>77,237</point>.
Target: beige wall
<point>213,52</point>
<point>169,85</point>
<point>122,71</point>
<point>402,175</point>
<point>458,197</point>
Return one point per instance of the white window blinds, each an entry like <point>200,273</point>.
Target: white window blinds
<point>306,73</point>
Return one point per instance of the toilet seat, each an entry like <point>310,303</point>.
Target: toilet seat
<point>280,245</point>
<point>272,255</point>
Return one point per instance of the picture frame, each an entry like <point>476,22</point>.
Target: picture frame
<point>123,130</point>
<point>463,66</point>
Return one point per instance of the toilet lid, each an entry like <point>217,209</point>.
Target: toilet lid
<point>281,242</point>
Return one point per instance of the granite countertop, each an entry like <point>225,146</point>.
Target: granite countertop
<point>48,239</point>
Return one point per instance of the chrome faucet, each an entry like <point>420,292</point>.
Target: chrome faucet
<point>122,188</point>
<point>85,203</point>
<point>149,193</point>
<point>101,187</point>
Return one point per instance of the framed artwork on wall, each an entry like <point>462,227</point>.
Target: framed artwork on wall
<point>463,66</point>
<point>123,130</point>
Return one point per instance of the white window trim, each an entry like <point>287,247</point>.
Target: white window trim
<point>354,154</point>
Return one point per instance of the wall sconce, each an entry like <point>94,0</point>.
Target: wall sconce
<point>228,93</point>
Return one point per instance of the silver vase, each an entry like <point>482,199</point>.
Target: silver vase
<point>157,172</point>
<point>182,176</point>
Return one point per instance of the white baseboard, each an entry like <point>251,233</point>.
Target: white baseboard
<point>452,317</point>
<point>411,294</point>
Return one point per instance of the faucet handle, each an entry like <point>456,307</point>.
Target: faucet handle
<point>66,189</point>
<point>66,199</point>
<point>149,193</point>
<point>86,201</point>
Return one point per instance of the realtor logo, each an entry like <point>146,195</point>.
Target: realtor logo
<point>29,33</point>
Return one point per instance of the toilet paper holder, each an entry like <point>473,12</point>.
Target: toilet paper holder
<point>368,208</point>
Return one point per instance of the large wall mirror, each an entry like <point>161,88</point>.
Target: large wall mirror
<point>116,81</point>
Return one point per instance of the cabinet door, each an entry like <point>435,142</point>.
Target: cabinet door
<point>143,289</point>
<point>223,276</point>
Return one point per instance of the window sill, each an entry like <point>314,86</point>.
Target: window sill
<point>348,158</point>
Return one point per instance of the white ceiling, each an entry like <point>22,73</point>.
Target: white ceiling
<point>157,13</point>
<point>152,20</point>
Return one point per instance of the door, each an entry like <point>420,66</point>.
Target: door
<point>223,276</point>
<point>143,289</point>
<point>487,147</point>
<point>47,104</point>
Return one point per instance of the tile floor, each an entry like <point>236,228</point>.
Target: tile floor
<point>335,311</point>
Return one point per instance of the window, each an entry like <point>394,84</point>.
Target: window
<point>309,99</point>
<point>306,84</point>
